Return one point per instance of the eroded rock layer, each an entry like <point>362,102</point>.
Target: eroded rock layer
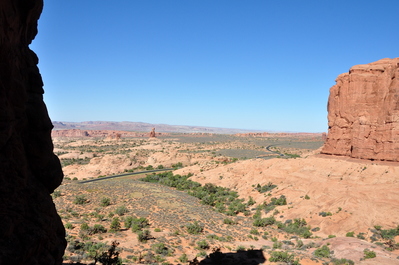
<point>363,112</point>
<point>31,231</point>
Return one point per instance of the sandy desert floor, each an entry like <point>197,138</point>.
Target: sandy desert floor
<point>349,205</point>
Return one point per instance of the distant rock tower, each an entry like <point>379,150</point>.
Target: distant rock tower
<point>152,133</point>
<point>363,112</point>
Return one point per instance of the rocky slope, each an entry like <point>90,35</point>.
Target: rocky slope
<point>31,231</point>
<point>363,112</point>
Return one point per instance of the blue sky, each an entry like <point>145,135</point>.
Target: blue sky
<point>264,65</point>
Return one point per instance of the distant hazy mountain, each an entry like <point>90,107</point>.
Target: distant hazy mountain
<point>143,127</point>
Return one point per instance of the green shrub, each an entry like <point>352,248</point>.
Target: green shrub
<point>56,194</point>
<point>369,254</point>
<point>121,210</point>
<point>69,226</point>
<point>143,236</point>
<point>80,199</point>
<point>240,248</point>
<point>254,231</point>
<point>115,224</point>
<point>265,188</point>
<point>389,233</point>
<point>323,252</point>
<point>161,249</point>
<point>183,258</point>
<point>262,222</point>
<point>361,236</point>
<point>201,254</point>
<point>350,234</point>
<point>105,202</point>
<point>283,256</point>
<point>223,199</point>
<point>84,227</point>
<point>228,221</point>
<point>279,201</point>
<point>139,223</point>
<point>97,228</point>
<point>202,244</point>
<point>194,228</point>
<point>277,244</point>
<point>342,262</point>
<point>325,214</point>
<point>298,227</point>
<point>307,197</point>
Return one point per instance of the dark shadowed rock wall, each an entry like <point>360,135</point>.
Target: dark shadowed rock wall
<point>363,112</point>
<point>31,231</point>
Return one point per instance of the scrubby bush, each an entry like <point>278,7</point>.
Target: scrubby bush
<point>137,224</point>
<point>223,199</point>
<point>183,258</point>
<point>105,201</point>
<point>202,244</point>
<point>283,256</point>
<point>121,210</point>
<point>160,248</point>
<point>194,228</point>
<point>265,188</point>
<point>115,224</point>
<point>342,262</point>
<point>298,227</point>
<point>369,254</point>
<point>80,199</point>
<point>143,236</point>
<point>323,252</point>
<point>263,222</point>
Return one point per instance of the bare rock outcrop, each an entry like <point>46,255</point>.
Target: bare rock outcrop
<point>31,232</point>
<point>152,133</point>
<point>363,112</point>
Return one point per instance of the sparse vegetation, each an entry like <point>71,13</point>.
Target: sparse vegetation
<point>80,199</point>
<point>194,228</point>
<point>186,223</point>
<point>369,254</point>
<point>224,200</point>
<point>265,188</point>
<point>323,252</point>
<point>283,256</point>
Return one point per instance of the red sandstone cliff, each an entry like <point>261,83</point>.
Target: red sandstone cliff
<point>31,232</point>
<point>363,112</point>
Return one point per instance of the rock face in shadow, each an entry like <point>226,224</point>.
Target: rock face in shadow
<point>363,112</point>
<point>31,232</point>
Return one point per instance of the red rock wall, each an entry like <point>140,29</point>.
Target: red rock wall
<point>31,231</point>
<point>363,112</point>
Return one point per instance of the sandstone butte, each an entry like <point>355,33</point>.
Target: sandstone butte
<point>363,112</point>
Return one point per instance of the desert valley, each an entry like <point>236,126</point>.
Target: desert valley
<point>243,198</point>
<point>138,193</point>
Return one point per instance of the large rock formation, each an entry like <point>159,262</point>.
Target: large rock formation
<point>31,231</point>
<point>363,112</point>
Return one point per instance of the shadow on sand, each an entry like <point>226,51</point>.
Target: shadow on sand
<point>248,257</point>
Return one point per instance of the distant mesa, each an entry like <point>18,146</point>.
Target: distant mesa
<point>363,112</point>
<point>107,134</point>
<point>144,127</point>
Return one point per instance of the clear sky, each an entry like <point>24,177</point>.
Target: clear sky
<point>264,65</point>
